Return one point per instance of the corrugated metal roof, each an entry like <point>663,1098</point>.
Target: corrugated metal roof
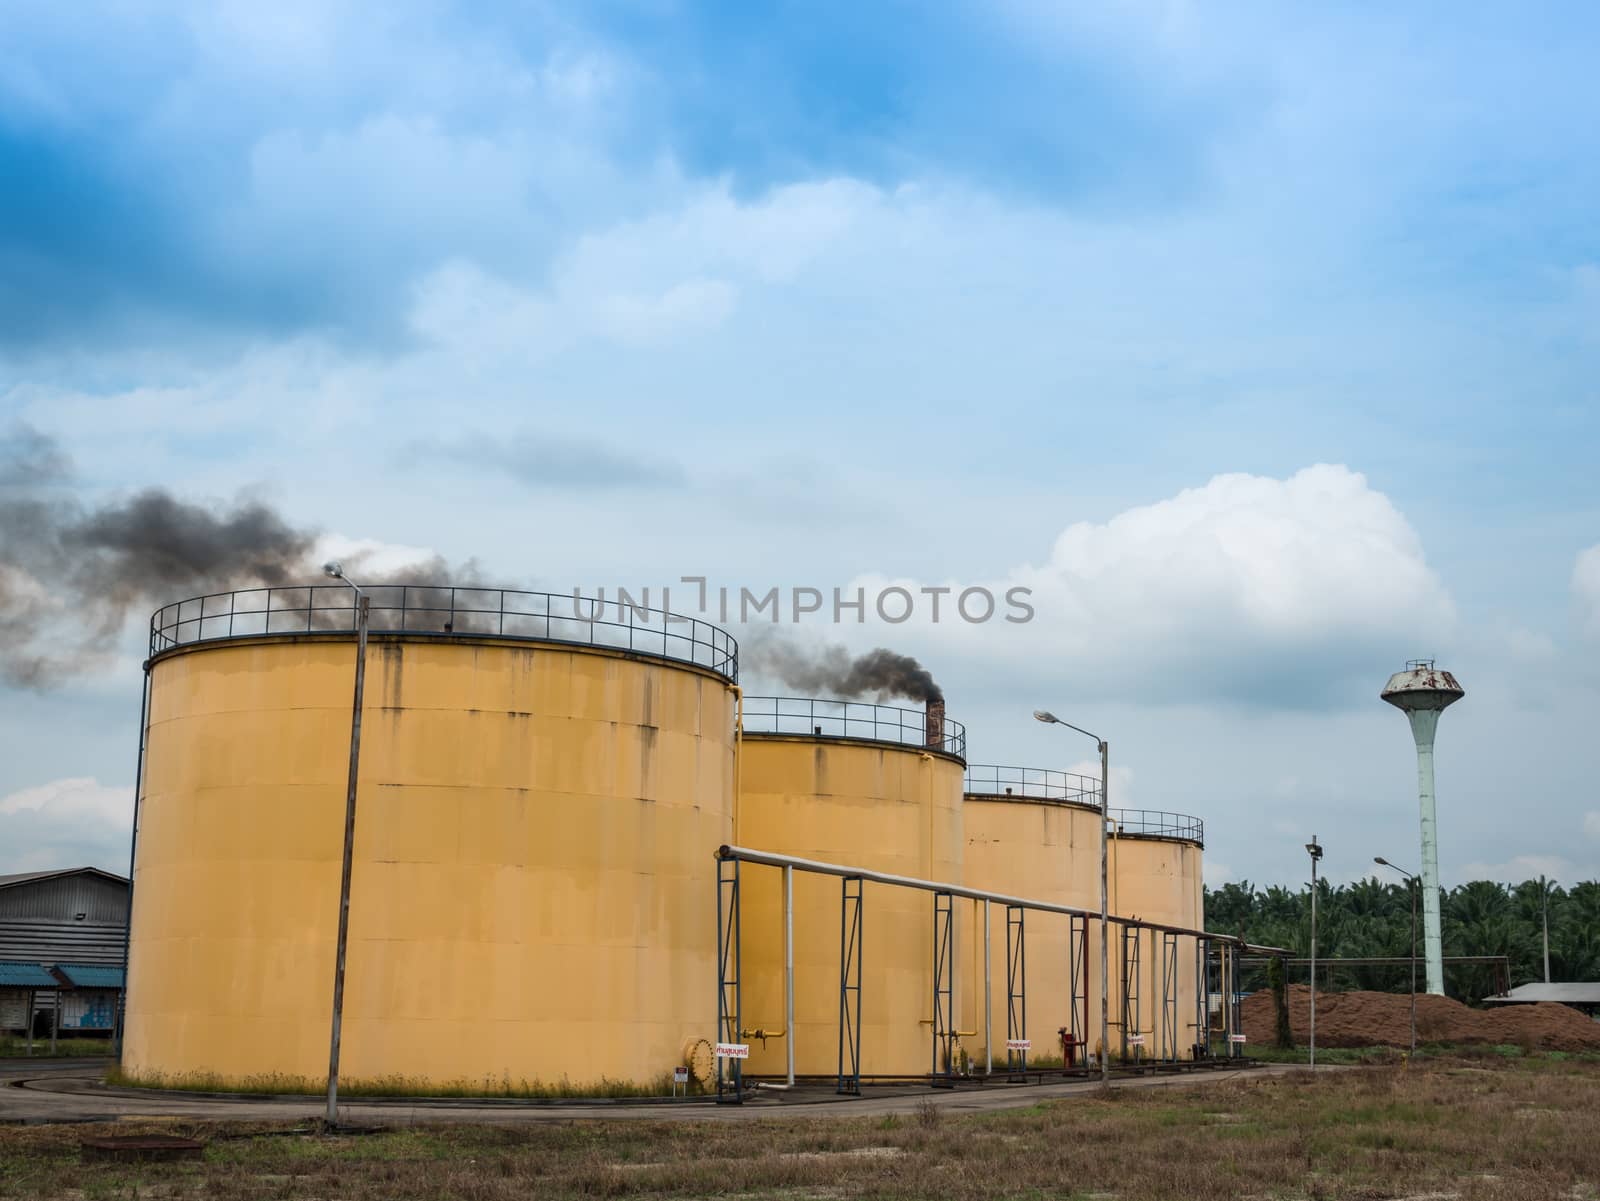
<point>28,877</point>
<point>1576,993</point>
<point>90,975</point>
<point>25,975</point>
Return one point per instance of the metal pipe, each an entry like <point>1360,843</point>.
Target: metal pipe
<point>1105,921</point>
<point>133,855</point>
<point>363,614</point>
<point>823,868</point>
<point>988,997</point>
<point>738,755</point>
<point>788,962</point>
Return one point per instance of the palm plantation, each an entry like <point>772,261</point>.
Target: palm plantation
<point>1372,918</point>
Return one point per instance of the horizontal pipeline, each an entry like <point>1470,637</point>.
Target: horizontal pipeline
<point>773,859</point>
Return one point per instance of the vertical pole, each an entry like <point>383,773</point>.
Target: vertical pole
<point>363,612</point>
<point>33,1000</point>
<point>988,997</point>
<point>1424,723</point>
<point>1411,883</point>
<point>1313,956</point>
<point>55,1019</point>
<point>788,964</point>
<point>133,854</point>
<point>1105,923</point>
<point>1544,898</point>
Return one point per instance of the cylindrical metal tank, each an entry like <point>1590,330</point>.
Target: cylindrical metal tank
<point>1034,833</point>
<point>859,784</point>
<point>541,794</point>
<point>1155,876</point>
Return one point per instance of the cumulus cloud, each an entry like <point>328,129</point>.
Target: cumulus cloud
<point>1586,589</point>
<point>72,822</point>
<point>1248,586</point>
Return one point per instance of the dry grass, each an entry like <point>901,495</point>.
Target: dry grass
<point>390,1086</point>
<point>1515,1129</point>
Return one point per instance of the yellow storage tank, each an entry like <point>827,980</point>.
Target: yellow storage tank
<point>1034,833</point>
<point>869,786</point>
<point>541,795</point>
<point>1155,876</point>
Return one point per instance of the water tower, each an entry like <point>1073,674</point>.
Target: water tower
<point>1423,692</point>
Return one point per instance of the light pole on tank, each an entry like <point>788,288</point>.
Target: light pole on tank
<point>1411,888</point>
<point>1315,852</point>
<point>1049,718</point>
<point>362,614</point>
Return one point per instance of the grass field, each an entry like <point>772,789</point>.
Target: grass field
<point>13,1047</point>
<point>1486,1126</point>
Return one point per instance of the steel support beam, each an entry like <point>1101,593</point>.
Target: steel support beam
<point>730,1073</point>
<point>850,947</point>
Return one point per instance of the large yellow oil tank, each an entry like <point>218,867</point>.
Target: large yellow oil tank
<point>1033,833</point>
<point>1155,876</point>
<point>533,883</point>
<point>854,784</point>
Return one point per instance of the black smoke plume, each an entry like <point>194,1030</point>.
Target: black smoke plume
<point>832,670</point>
<point>71,575</point>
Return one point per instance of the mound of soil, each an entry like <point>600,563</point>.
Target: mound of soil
<point>1368,1019</point>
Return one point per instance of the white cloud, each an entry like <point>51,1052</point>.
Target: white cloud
<point>1246,586</point>
<point>1120,783</point>
<point>1526,867</point>
<point>66,823</point>
<point>679,272</point>
<point>1216,873</point>
<point>1586,589</point>
<point>359,555</point>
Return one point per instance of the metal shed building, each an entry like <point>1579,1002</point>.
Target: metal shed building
<point>61,934</point>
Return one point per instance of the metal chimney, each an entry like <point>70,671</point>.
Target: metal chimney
<point>933,725</point>
<point>1424,692</point>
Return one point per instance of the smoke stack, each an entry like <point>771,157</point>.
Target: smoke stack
<point>934,725</point>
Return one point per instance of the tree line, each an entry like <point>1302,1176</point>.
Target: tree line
<point>1372,918</point>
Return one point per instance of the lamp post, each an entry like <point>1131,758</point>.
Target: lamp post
<point>1411,887</point>
<point>1105,911</point>
<point>1315,852</point>
<point>363,613</point>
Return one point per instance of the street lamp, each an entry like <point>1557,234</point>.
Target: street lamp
<point>1411,887</point>
<point>1049,718</point>
<point>1315,852</point>
<point>335,571</point>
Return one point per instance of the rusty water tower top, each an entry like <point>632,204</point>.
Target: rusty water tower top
<point>1422,686</point>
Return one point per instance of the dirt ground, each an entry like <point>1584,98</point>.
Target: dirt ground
<point>1365,1019</point>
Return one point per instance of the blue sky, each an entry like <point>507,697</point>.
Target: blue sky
<point>615,293</point>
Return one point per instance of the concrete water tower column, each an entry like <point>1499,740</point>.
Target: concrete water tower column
<point>1424,692</point>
